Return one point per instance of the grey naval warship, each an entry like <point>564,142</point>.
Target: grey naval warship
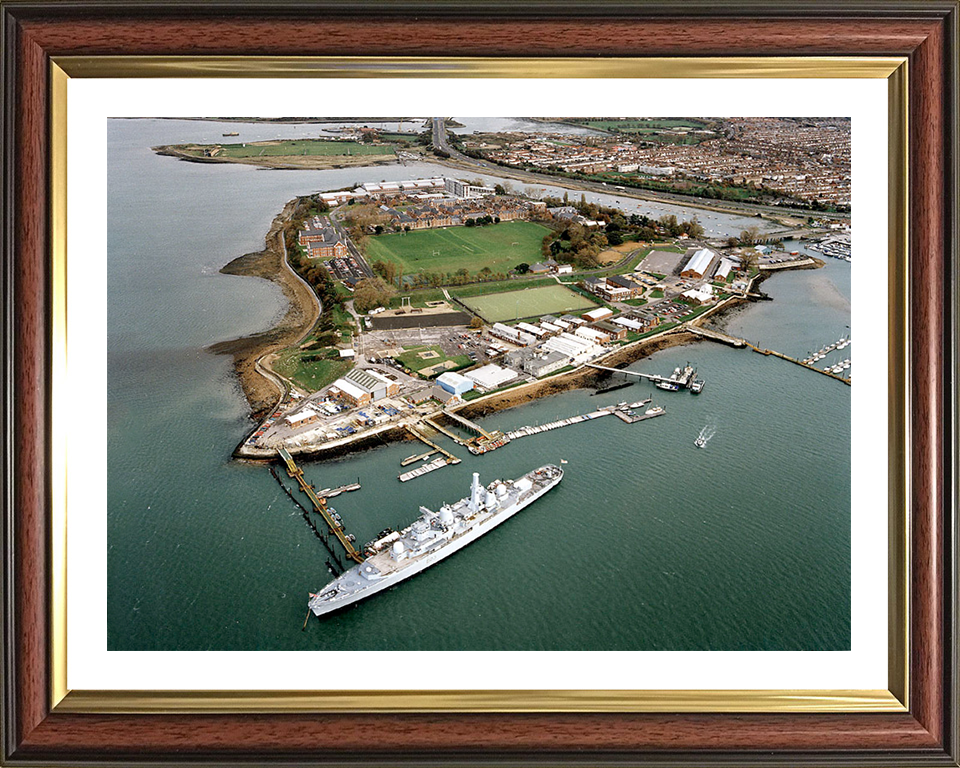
<point>397,555</point>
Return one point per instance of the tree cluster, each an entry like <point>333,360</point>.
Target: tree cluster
<point>675,228</point>
<point>372,292</point>
<point>482,221</point>
<point>390,271</point>
<point>461,277</point>
<point>573,243</point>
<point>363,219</point>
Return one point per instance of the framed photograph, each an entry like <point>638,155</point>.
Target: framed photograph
<point>280,338</point>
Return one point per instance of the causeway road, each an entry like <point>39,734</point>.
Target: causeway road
<point>459,160</point>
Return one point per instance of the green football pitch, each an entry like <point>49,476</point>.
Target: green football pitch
<point>498,246</point>
<point>531,302</point>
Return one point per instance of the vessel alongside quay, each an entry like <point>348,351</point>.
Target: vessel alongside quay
<point>397,555</point>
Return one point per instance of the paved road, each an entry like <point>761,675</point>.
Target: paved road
<point>354,251</point>
<point>441,142</point>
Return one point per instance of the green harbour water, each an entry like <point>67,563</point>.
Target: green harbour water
<point>647,544</point>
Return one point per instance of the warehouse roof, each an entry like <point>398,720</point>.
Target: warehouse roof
<point>366,379</point>
<point>700,261</point>
<point>491,376</point>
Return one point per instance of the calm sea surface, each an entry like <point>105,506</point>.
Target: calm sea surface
<point>648,543</point>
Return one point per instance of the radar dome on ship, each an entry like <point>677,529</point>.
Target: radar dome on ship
<point>397,547</point>
<point>446,515</point>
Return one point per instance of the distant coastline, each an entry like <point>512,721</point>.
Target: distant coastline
<point>284,120</point>
<point>280,162</point>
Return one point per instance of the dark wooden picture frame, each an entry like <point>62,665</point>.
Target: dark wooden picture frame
<point>34,33</point>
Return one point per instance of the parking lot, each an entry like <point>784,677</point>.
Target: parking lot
<point>344,268</point>
<point>452,340</point>
<point>662,262</point>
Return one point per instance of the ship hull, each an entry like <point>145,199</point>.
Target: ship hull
<point>431,558</point>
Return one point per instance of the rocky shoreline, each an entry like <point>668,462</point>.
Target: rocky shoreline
<point>262,387</point>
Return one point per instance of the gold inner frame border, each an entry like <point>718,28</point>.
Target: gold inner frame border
<point>894,699</point>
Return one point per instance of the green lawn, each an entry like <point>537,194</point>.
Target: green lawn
<point>418,297</point>
<point>412,359</point>
<point>311,374</point>
<point>498,246</point>
<point>533,302</point>
<point>303,147</point>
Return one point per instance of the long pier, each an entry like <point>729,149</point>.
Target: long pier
<point>336,567</point>
<point>320,506</point>
<point>422,470</point>
<point>649,376</point>
<point>733,341</point>
<point>416,457</point>
<point>414,432</point>
<point>610,410</point>
<point>723,338</point>
<point>475,428</point>
<point>774,353</point>
<point>443,430</point>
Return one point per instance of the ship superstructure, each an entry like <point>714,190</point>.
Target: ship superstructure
<point>397,555</point>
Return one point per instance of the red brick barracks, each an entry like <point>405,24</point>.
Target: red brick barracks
<point>321,240</point>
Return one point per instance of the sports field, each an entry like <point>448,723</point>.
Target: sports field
<point>532,302</point>
<point>425,357</point>
<point>498,246</point>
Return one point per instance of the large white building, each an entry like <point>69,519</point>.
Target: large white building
<point>454,383</point>
<point>699,263</point>
<point>512,335</point>
<point>724,269</point>
<point>699,295</point>
<point>600,313</point>
<point>363,385</point>
<point>463,189</point>
<point>577,348</point>
<point>628,322</point>
<point>491,376</point>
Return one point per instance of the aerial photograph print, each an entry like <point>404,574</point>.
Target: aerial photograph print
<point>588,379</point>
